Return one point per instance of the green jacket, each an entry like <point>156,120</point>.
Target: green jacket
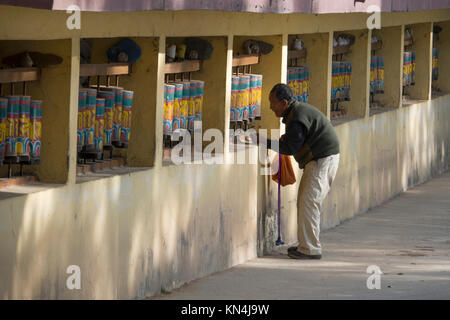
<point>321,140</point>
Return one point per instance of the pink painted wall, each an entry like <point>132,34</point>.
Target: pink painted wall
<point>262,6</point>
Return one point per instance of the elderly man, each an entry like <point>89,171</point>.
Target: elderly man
<point>311,139</point>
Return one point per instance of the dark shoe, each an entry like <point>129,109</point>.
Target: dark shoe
<point>292,249</point>
<point>294,254</point>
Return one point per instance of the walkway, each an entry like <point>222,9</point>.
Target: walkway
<point>408,238</point>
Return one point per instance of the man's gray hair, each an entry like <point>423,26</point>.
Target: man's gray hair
<point>283,91</point>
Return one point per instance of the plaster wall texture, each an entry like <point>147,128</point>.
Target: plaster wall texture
<point>260,6</point>
<point>131,235</point>
<point>25,23</point>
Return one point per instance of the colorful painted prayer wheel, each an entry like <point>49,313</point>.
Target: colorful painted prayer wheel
<point>200,87</point>
<point>240,100</point>
<point>89,119</point>
<point>118,105</point>
<point>246,87</point>
<point>23,140</point>
<point>290,80</point>
<point>380,75</point>
<point>12,125</point>
<point>125,129</point>
<point>404,70</point>
<point>348,77</point>
<point>373,62</point>
<point>3,126</point>
<point>341,80</point>
<point>335,93</point>
<point>191,105</point>
<point>185,105</point>
<point>307,84</point>
<point>99,125</point>
<point>259,95</point>
<point>333,81</point>
<point>117,113</point>
<point>109,97</point>
<point>178,101</point>
<point>435,55</point>
<point>35,128</point>
<point>82,97</point>
<point>169,99</point>
<point>303,85</point>
<point>234,98</point>
<point>299,83</point>
<point>252,97</point>
<point>408,64</point>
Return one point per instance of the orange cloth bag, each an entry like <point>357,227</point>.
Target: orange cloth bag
<point>287,172</point>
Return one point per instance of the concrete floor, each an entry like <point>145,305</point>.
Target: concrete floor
<point>408,238</point>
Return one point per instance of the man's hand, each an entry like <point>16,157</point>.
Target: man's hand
<point>257,137</point>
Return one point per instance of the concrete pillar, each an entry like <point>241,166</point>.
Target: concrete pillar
<point>319,48</point>
<point>54,89</point>
<point>73,114</point>
<point>359,56</point>
<point>159,112</point>
<point>422,35</point>
<point>392,52</point>
<point>284,57</point>
<point>229,70</point>
<point>284,65</point>
<point>443,45</point>
<point>144,82</point>
<point>217,93</point>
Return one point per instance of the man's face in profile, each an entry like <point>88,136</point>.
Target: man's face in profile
<point>278,107</point>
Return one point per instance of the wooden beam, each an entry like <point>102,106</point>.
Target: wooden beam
<point>19,75</point>
<point>409,42</point>
<point>106,69</point>
<point>183,66</point>
<point>245,60</point>
<point>341,49</point>
<point>377,45</point>
<point>295,54</point>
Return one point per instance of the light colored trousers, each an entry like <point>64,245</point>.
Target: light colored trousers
<point>314,187</point>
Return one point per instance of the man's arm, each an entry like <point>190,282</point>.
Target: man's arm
<point>291,142</point>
